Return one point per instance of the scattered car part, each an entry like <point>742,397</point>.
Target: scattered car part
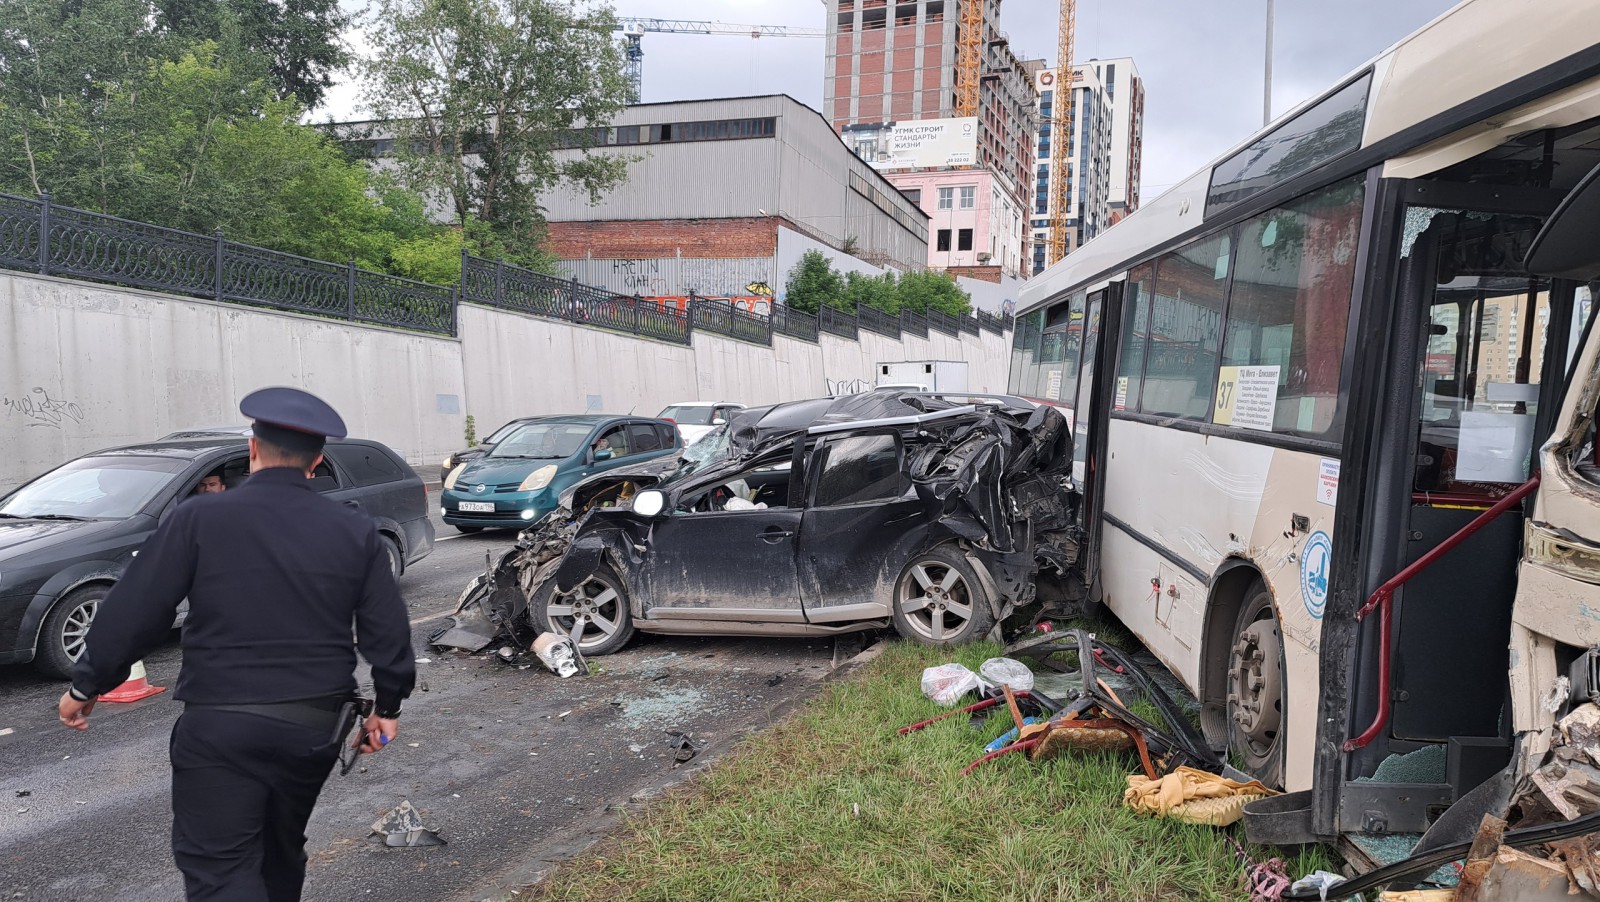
<point>402,826</point>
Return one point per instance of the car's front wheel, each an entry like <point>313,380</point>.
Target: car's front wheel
<point>65,628</point>
<point>939,599</point>
<point>595,613</point>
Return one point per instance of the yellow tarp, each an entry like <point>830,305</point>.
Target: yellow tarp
<point>1193,796</point>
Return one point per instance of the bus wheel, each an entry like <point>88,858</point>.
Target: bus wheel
<point>1256,689</point>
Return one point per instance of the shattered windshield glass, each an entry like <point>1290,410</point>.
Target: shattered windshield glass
<point>708,449</point>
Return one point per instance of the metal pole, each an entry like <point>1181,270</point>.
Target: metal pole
<point>1266,90</point>
<point>217,265</point>
<point>44,232</point>
<point>350,291</point>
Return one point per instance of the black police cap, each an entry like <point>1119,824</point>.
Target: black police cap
<point>294,410</point>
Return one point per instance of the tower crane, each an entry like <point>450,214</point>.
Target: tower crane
<point>969,36</point>
<point>633,31</point>
<point>1061,134</point>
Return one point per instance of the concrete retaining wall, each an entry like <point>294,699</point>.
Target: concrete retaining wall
<point>86,366</point>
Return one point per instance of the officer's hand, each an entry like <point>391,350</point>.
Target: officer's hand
<point>74,713</point>
<point>378,732</point>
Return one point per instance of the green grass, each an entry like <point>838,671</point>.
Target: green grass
<point>832,804</point>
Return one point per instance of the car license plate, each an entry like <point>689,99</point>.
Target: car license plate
<point>486,507</point>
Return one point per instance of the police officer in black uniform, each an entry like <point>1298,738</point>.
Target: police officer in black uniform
<point>275,574</point>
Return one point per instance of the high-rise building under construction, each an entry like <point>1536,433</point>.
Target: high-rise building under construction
<point>891,65</point>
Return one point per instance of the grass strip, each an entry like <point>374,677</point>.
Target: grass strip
<point>832,804</point>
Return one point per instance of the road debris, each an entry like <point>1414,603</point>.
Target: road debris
<point>1192,796</point>
<point>947,683</point>
<point>557,654</point>
<point>402,827</point>
<point>682,745</point>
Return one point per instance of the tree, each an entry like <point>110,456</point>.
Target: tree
<point>480,95</point>
<point>812,282</point>
<point>926,290</point>
<point>861,290</point>
<point>298,41</point>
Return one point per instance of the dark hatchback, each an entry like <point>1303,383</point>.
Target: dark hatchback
<point>67,536</point>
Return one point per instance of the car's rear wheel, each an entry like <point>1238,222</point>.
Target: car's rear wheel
<point>1256,689</point>
<point>65,628</point>
<point>397,561</point>
<point>468,530</point>
<point>595,613</point>
<point>939,599</point>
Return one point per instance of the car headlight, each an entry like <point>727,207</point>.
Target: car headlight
<point>538,479</point>
<point>450,481</point>
<point>449,461</point>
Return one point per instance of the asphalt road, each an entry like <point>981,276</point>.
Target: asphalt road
<point>508,765</point>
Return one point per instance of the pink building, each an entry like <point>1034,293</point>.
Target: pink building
<point>973,220</point>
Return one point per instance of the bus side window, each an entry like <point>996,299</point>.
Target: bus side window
<point>1186,329</point>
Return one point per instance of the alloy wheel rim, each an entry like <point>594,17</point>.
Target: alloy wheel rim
<point>590,614</point>
<point>935,601</point>
<point>76,628</point>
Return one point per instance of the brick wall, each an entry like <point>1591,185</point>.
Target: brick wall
<point>742,237</point>
<point>983,273</point>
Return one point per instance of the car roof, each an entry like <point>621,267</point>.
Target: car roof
<point>207,432</point>
<point>705,404</point>
<point>191,449</point>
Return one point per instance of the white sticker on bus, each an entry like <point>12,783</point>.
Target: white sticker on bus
<point>1328,482</point>
<point>1122,394</point>
<point>1053,392</point>
<point>1315,560</point>
<point>1247,396</point>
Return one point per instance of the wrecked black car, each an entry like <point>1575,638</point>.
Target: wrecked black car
<point>936,514</point>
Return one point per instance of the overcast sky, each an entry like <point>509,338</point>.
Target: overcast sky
<point>1201,60</point>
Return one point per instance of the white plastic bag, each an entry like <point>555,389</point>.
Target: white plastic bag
<point>1011,672</point>
<point>947,683</point>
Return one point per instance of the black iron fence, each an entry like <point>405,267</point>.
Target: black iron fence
<point>39,236</point>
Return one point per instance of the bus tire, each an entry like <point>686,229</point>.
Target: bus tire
<point>1257,688</point>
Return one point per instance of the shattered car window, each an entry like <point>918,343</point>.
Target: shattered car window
<point>863,468</point>
<point>764,486</point>
<point>708,449</point>
<point>543,441</point>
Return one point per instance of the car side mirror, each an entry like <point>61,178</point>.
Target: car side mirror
<point>649,503</point>
<point>719,421</point>
<point>602,454</point>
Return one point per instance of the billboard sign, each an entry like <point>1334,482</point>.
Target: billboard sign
<point>931,143</point>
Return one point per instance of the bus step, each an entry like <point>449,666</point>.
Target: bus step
<point>1280,820</point>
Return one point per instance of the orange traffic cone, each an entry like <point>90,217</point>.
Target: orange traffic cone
<point>135,688</point>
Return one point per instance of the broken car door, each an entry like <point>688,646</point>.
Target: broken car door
<point>720,555</point>
<point>863,523</point>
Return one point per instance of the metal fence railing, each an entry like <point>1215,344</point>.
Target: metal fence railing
<point>836,322</point>
<point>944,323</point>
<point>39,236</point>
<point>794,323</point>
<point>720,317</point>
<point>875,320</point>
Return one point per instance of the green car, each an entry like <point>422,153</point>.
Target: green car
<point>517,483</point>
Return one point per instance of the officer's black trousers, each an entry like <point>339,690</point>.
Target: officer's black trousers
<point>243,786</point>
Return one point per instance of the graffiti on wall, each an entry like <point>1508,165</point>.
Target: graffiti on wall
<point>637,276</point>
<point>847,386</point>
<point>39,409</point>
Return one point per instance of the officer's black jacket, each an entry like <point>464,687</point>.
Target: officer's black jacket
<point>275,575</point>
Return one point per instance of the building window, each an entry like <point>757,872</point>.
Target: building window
<point>964,240</point>
<point>946,198</point>
<point>969,196</point>
<point>934,12</point>
<point>914,195</point>
<point>944,240</point>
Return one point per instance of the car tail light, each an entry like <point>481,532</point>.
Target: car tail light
<point>669,420</point>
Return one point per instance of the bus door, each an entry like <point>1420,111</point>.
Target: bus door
<point>1483,376</point>
<point>1102,325</point>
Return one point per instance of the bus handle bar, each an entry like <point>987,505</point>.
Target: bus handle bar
<point>1384,595</point>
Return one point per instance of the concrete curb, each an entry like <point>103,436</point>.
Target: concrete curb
<point>584,834</point>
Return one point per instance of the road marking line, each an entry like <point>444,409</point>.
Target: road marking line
<point>7,731</point>
<point>437,616</point>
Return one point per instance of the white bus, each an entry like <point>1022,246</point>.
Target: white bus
<point>1312,363</point>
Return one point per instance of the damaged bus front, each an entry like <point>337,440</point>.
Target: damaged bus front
<point>936,515</point>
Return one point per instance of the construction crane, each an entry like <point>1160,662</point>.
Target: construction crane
<point>1061,134</point>
<point>969,38</point>
<point>633,31</point>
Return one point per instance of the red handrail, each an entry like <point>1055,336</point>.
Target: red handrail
<point>1384,594</point>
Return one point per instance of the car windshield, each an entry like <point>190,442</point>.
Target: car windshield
<point>501,433</point>
<point>688,414</point>
<point>93,488</point>
<point>707,450</point>
<point>543,441</point>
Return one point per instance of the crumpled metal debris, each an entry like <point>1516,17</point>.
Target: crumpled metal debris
<point>682,745</point>
<point>402,827</point>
